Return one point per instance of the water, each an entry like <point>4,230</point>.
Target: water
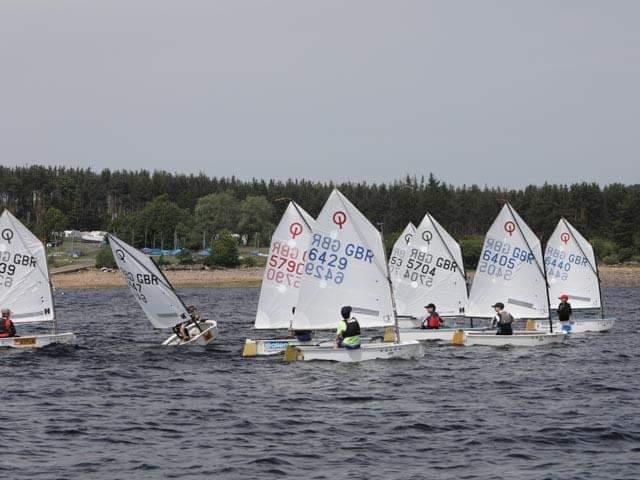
<point>119,406</point>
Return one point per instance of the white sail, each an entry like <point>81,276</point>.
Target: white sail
<point>571,267</point>
<point>433,272</point>
<point>510,271</point>
<point>152,290</point>
<point>399,252</point>
<point>24,276</point>
<point>285,268</point>
<point>345,266</point>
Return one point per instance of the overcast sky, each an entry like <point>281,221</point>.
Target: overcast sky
<point>499,93</point>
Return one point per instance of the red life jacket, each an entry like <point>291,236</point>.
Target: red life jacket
<point>433,321</point>
<point>5,328</point>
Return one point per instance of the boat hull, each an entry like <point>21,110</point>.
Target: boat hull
<point>38,341</point>
<point>368,351</point>
<point>201,338</point>
<point>580,325</point>
<point>518,339</point>
<point>275,346</point>
<point>427,335</point>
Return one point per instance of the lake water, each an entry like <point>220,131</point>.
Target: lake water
<point>120,406</point>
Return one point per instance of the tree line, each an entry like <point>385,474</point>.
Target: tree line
<point>154,208</point>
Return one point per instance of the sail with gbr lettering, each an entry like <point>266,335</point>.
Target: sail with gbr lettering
<point>149,286</point>
<point>399,252</point>
<point>571,267</point>
<point>510,270</point>
<point>432,272</point>
<point>285,267</point>
<point>345,265</point>
<point>25,288</point>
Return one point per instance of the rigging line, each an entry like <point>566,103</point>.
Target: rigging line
<point>295,205</point>
<point>460,267</point>
<point>573,233</point>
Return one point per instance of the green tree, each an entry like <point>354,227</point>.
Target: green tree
<point>104,258</point>
<point>471,250</point>
<point>224,251</point>
<point>159,220</point>
<point>256,214</point>
<point>216,212</point>
<point>53,222</point>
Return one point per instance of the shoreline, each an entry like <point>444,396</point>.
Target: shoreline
<point>611,277</point>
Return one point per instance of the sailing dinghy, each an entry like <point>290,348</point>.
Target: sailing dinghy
<point>432,272</point>
<point>511,270</point>
<point>397,260</point>
<point>572,270</point>
<point>346,266</point>
<point>159,301</point>
<point>281,282</point>
<point>25,287</point>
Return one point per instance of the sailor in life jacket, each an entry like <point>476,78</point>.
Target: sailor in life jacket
<point>503,320</point>
<point>348,333</point>
<point>432,320</point>
<point>564,308</point>
<point>7,328</point>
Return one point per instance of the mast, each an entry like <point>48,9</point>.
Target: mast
<point>543,269</point>
<point>396,326</point>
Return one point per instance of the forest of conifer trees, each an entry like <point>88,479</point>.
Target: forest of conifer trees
<point>116,200</point>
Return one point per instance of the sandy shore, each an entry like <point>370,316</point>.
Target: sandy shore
<point>616,276</point>
<point>239,277</point>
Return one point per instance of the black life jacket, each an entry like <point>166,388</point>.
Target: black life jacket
<point>353,328</point>
<point>564,311</point>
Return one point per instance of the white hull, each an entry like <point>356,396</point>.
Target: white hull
<point>580,325</point>
<point>437,334</point>
<point>518,339</point>
<point>368,351</point>
<point>38,341</point>
<point>275,346</point>
<point>204,337</point>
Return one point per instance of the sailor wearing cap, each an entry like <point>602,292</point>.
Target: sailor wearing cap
<point>564,312</point>
<point>503,320</point>
<point>432,320</point>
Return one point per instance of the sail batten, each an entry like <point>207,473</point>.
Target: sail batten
<point>149,286</point>
<point>285,267</point>
<point>25,287</point>
<point>345,266</point>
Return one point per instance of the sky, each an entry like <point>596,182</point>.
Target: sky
<point>499,93</point>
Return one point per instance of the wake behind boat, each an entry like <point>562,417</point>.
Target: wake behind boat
<point>25,287</point>
<point>159,301</point>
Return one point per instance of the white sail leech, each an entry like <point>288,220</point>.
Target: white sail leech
<point>432,272</point>
<point>571,267</point>
<point>399,253</point>
<point>25,287</point>
<point>285,268</point>
<point>156,296</point>
<point>510,270</point>
<point>345,266</point>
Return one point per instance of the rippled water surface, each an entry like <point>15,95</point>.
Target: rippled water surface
<point>119,405</point>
